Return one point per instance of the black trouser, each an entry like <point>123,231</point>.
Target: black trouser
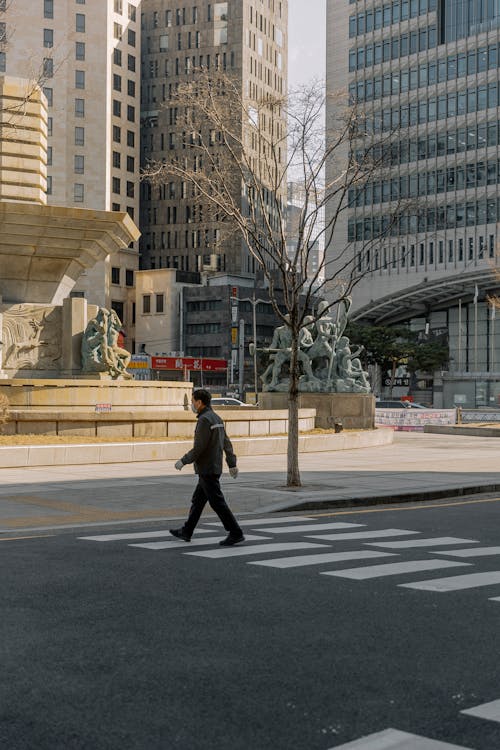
<point>208,490</point>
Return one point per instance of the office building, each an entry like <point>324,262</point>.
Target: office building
<point>248,40</point>
<point>425,73</point>
<point>86,56</point>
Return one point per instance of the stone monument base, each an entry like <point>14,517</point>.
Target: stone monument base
<point>356,411</point>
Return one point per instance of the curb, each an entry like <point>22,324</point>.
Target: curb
<point>22,456</point>
<point>391,499</point>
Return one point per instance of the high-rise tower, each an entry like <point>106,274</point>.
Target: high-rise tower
<point>425,74</point>
<point>248,40</point>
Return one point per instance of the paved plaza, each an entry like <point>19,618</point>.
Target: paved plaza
<point>416,466</point>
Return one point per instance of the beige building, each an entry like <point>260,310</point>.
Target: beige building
<point>246,38</point>
<point>160,307</point>
<point>86,56</point>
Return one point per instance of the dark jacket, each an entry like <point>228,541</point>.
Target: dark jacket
<point>210,440</point>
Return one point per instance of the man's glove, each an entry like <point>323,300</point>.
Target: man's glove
<point>233,471</point>
<point>179,464</point>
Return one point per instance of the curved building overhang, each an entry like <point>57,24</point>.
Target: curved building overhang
<point>417,301</point>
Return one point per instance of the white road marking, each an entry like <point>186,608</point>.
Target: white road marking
<point>489,711</point>
<point>392,739</point>
<point>255,549</point>
<point>455,583</point>
<point>175,543</point>
<point>261,521</point>
<point>392,569</point>
<point>470,552</point>
<point>137,535</point>
<point>495,599</point>
<point>310,527</point>
<point>363,534</point>
<point>325,557</point>
<point>433,542</point>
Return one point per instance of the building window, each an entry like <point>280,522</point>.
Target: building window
<point>79,164</point>
<point>79,79</point>
<point>118,6</point>
<point>130,138</point>
<point>131,38</point>
<point>131,63</point>
<point>48,67</point>
<point>130,113</point>
<point>119,310</point>
<point>80,22</point>
<point>118,31</point>
<point>80,50</point>
<point>3,62</point>
<point>116,185</point>
<point>117,56</point>
<point>115,207</point>
<point>163,42</point>
<point>130,164</point>
<point>117,108</point>
<point>159,302</point>
<point>146,303</point>
<point>116,159</point>
<point>49,95</point>
<point>130,189</point>
<point>48,8</point>
<point>49,156</point>
<point>78,192</point>
<point>79,136</point>
<point>48,37</point>
<point>131,88</point>
<point>132,12</point>
<point>117,82</point>
<point>129,277</point>
<point>79,107</point>
<point>117,134</point>
<point>49,185</point>
<point>115,275</point>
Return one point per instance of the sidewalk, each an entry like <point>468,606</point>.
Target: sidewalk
<point>416,466</point>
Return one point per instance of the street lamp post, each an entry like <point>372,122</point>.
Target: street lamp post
<point>254,302</point>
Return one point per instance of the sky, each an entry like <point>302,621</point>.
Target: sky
<point>306,41</point>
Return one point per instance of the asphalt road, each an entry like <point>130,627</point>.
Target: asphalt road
<point>104,645</point>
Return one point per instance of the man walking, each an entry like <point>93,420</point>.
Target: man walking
<point>210,441</point>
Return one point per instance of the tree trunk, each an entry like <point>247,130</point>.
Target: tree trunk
<point>293,474</point>
<point>393,376</point>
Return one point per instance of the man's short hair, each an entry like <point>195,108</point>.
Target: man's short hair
<point>201,394</point>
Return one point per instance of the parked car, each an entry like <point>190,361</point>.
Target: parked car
<point>398,405</point>
<point>229,401</point>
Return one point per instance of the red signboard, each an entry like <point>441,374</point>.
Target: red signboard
<point>188,363</point>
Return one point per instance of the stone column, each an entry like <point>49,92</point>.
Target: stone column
<point>74,322</point>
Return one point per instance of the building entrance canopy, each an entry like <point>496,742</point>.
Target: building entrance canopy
<point>417,301</point>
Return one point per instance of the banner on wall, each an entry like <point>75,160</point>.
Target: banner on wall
<point>201,364</point>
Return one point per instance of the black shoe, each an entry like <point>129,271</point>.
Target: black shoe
<point>232,539</point>
<point>180,534</point>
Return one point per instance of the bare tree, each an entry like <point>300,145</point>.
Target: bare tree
<point>238,155</point>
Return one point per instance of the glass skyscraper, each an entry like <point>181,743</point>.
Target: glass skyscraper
<point>426,75</point>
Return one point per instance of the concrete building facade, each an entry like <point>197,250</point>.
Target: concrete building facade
<point>86,56</point>
<point>425,75</point>
<point>248,40</point>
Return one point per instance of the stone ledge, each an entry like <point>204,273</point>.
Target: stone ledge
<point>104,453</point>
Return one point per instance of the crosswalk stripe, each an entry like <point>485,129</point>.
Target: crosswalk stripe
<point>324,557</point>
<point>392,569</point>
<point>471,552</point>
<point>381,533</point>
<point>495,599</point>
<point>310,527</point>
<point>261,521</point>
<point>174,543</point>
<point>455,583</point>
<point>255,549</point>
<point>392,739</point>
<point>136,535</point>
<point>489,711</point>
<point>432,542</point>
